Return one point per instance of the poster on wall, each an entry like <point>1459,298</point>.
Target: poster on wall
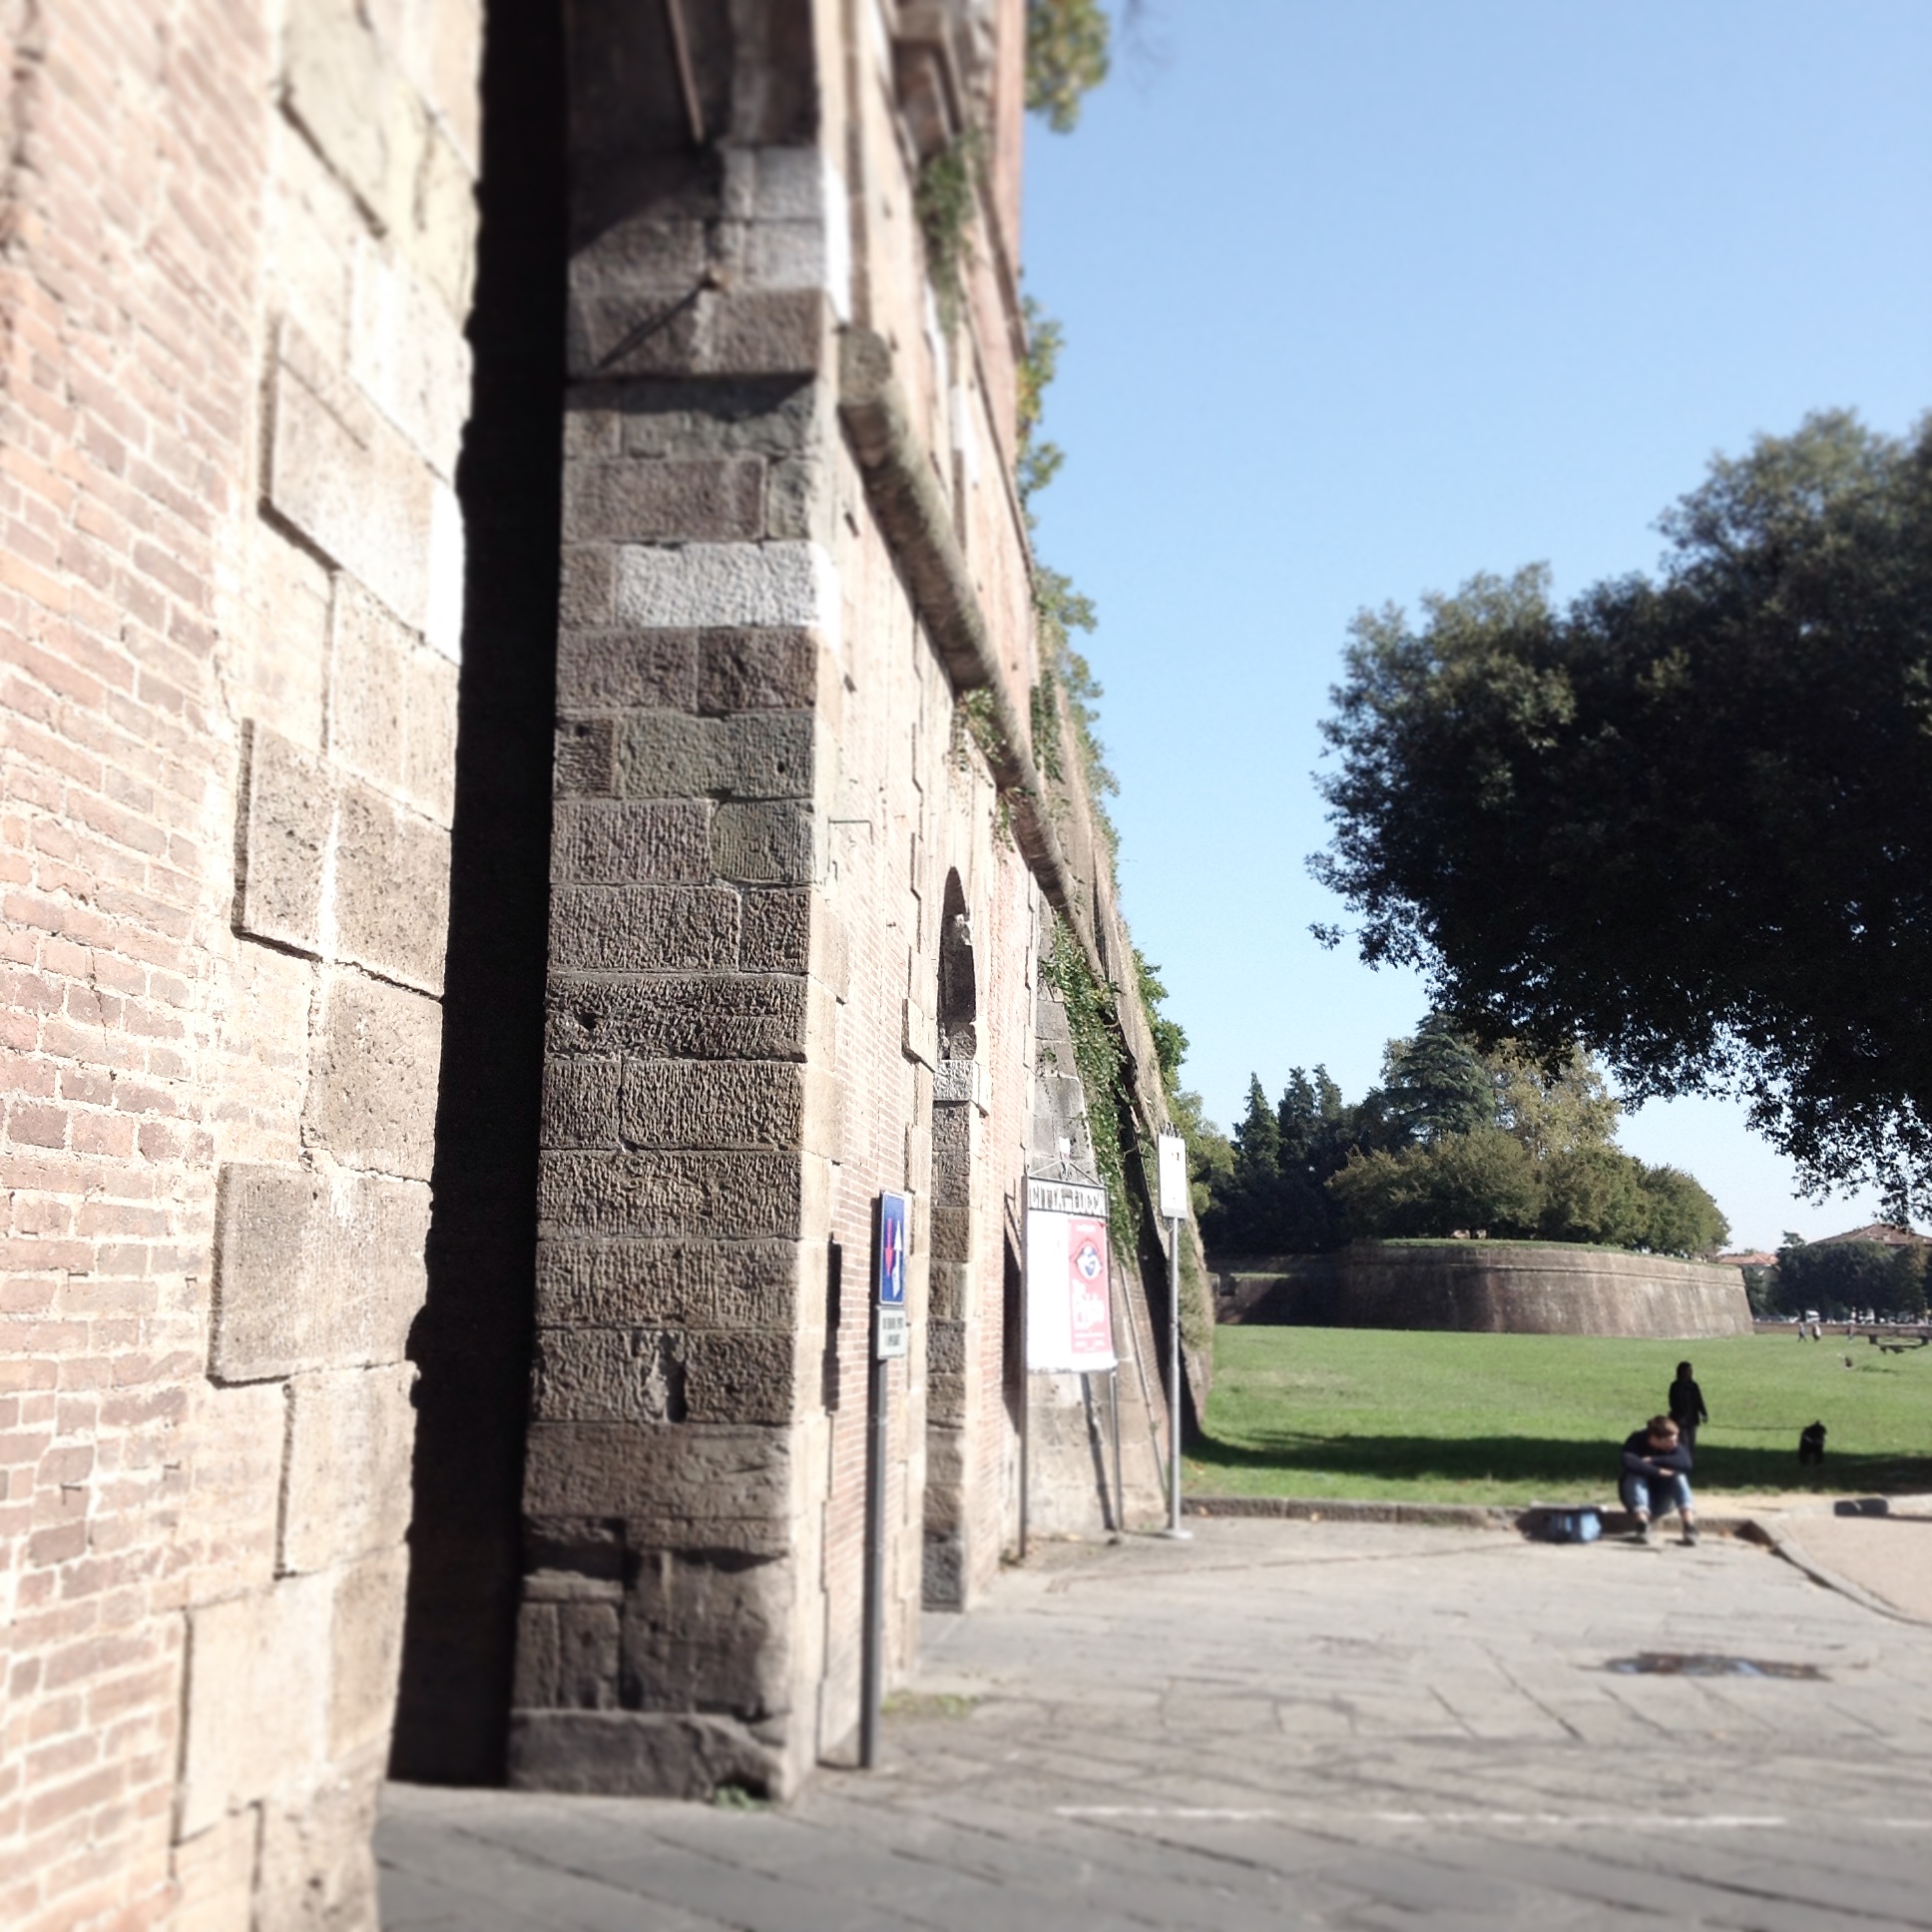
<point>1070,1310</point>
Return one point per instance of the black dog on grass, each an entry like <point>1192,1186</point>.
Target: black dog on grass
<point>1811,1443</point>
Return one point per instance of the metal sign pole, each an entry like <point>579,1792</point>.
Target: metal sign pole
<point>1173,1528</point>
<point>1174,1206</point>
<point>872,1645</point>
<point>887,1342</point>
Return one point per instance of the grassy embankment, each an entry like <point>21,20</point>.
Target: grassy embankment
<point>1452,1418</point>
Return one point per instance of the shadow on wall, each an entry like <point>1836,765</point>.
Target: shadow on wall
<point>472,1342</point>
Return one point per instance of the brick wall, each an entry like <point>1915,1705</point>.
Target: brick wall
<point>236,272</point>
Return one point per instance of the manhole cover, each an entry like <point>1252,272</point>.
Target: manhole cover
<point>1707,1663</point>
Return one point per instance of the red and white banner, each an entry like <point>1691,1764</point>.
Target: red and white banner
<point>1070,1313</point>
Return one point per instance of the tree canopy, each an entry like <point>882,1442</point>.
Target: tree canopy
<point>1688,819</point>
<point>1453,1140</point>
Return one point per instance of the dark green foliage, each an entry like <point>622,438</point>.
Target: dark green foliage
<point>1100,1061</point>
<point>945,199</point>
<point>1067,56</point>
<point>1038,462</point>
<point>1840,1277</point>
<point>1272,1195</point>
<point>1436,1083</point>
<point>1169,1036</point>
<point>1480,1181</point>
<point>1454,1142</point>
<point>1686,819</point>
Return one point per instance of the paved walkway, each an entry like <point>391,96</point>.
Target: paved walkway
<point>1293,1724</point>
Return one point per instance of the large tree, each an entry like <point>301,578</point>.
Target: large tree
<point>1686,819</point>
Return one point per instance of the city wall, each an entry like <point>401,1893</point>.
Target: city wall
<point>1487,1288</point>
<point>441,1150</point>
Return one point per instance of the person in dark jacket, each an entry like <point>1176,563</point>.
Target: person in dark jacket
<point>1686,1404</point>
<point>1656,1478</point>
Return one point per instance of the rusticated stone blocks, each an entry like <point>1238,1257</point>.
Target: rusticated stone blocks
<point>314,1272</point>
<point>346,1491</point>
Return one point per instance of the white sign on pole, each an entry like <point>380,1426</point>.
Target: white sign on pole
<point>896,1334</point>
<point>1173,1178</point>
<point>1070,1320</point>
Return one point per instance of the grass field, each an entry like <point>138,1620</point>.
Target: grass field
<point>1455,1418</point>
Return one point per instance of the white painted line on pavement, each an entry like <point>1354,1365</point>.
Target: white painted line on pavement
<point>1624,1821</point>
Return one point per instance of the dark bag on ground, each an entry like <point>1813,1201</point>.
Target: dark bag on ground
<point>1573,1525</point>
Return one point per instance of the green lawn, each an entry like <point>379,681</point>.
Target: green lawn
<point>1449,1418</point>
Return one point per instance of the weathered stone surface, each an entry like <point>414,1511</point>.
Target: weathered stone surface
<point>740,1376</point>
<point>919,1034</point>
<point>702,584</point>
<point>773,416</point>
<point>957,1082</point>
<point>407,352</point>
<point>765,844</point>
<point>291,812</point>
<point>746,1016</point>
<point>708,1630</point>
<point>215,1874</point>
<point>580,1102</point>
<point>712,1104</point>
<point>712,500</point>
<point>729,1195</point>
<point>585,759</point>
<point>755,754</point>
<point>392,899</point>
<point>313,1272</point>
<point>567,1655</point>
<point>949,1233</point>
<point>365,1649</point>
<point>587,586</point>
<point>372,1080</point>
<point>644,928</point>
<point>768,330</point>
<point>353,104</point>
<point>664,1375</point>
<point>348,481</point>
<point>250,1657</point>
<point>346,1491</point>
<point>429,753</point>
<point>627,670</point>
<point>680,1485</point>
<point>776,932</point>
<point>367,688</point>
<point>670,1284</point>
<point>608,1375</point>
<point>317,1868</point>
<point>751,670</point>
<point>640,843</point>
<point>642,1754</point>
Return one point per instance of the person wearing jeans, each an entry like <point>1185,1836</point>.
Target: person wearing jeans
<point>1656,1478</point>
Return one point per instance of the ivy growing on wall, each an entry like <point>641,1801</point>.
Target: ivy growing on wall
<point>945,199</point>
<point>1093,1019</point>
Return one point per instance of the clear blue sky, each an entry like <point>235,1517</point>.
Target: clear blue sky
<point>1363,298</point>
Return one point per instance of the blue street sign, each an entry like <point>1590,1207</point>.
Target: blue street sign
<point>895,1221</point>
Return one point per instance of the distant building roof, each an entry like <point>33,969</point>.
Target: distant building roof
<point>1755,1258</point>
<point>1886,1234</point>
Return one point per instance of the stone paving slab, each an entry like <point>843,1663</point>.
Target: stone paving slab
<point>1284,1723</point>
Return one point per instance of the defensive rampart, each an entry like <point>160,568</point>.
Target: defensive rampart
<point>1484,1287</point>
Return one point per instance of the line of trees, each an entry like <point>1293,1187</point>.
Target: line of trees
<point>1841,1278</point>
<point>1454,1140</point>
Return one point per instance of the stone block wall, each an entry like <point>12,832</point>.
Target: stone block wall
<point>232,385</point>
<point>1494,1288</point>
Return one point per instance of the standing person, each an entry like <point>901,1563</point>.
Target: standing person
<point>1686,1403</point>
<point>1656,1478</point>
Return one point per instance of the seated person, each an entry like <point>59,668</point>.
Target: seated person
<point>1656,1478</point>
